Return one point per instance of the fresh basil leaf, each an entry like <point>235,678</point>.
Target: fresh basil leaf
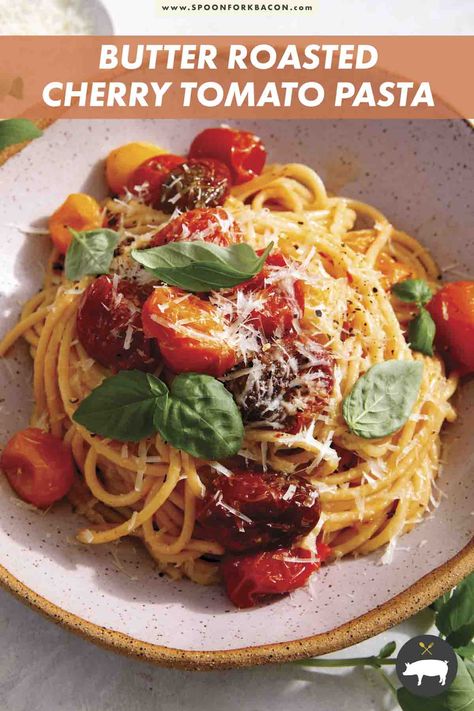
<point>470,668</point>
<point>200,417</point>
<point>197,415</point>
<point>202,266</point>
<point>421,333</point>
<point>414,291</point>
<point>90,252</point>
<point>456,618</point>
<point>13,131</point>
<point>387,650</point>
<point>459,696</point>
<point>382,399</point>
<point>123,406</point>
<point>466,652</point>
<point>441,601</point>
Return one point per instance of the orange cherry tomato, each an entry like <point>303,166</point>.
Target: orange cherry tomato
<point>452,309</point>
<point>39,466</point>
<point>189,331</point>
<point>79,211</point>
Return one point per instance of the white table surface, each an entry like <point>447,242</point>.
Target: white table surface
<point>45,668</point>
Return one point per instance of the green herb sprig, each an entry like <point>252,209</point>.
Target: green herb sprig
<point>13,131</point>
<point>90,252</point>
<point>421,329</point>
<point>196,414</point>
<point>454,618</point>
<point>202,266</point>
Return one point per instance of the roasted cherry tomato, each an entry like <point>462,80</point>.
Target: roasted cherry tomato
<point>39,466</point>
<point>150,176</point>
<point>253,510</point>
<point>242,152</point>
<point>79,211</point>
<point>189,331</point>
<point>109,325</point>
<point>288,384</point>
<point>202,182</point>
<point>208,224</point>
<point>124,160</point>
<point>452,309</point>
<point>278,303</point>
<point>250,579</point>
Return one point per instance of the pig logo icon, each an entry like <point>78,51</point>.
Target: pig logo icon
<point>427,667</point>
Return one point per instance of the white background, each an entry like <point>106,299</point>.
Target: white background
<point>43,667</point>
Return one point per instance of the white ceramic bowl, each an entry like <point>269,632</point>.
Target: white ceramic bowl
<point>421,175</point>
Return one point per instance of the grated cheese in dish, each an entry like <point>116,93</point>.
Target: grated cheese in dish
<point>45,17</point>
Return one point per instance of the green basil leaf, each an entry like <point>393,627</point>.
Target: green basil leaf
<point>441,601</point>
<point>387,650</point>
<point>466,652</point>
<point>414,291</point>
<point>90,252</point>
<point>202,266</point>
<point>382,399</point>
<point>123,406</point>
<point>197,415</point>
<point>456,618</point>
<point>200,417</point>
<point>13,131</point>
<point>459,696</point>
<point>421,333</point>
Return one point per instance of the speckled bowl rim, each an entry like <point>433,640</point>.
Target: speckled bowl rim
<point>395,610</point>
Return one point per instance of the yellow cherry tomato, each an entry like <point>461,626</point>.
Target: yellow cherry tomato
<point>123,161</point>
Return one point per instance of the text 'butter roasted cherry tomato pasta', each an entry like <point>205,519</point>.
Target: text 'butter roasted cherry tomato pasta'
<point>246,372</point>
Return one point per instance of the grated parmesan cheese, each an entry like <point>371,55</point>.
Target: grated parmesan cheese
<point>45,17</point>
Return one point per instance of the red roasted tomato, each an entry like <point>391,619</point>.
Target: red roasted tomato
<point>452,309</point>
<point>279,304</point>
<point>109,325</point>
<point>153,171</point>
<point>252,511</point>
<point>250,579</point>
<point>197,183</point>
<point>295,378</point>
<point>38,466</point>
<point>242,152</point>
<point>208,224</point>
<point>189,331</point>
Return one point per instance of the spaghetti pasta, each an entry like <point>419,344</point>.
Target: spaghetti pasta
<point>346,254</point>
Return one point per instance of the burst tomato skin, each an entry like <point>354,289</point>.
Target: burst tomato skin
<point>39,466</point>
<point>279,307</point>
<point>153,171</point>
<point>189,332</point>
<point>213,225</point>
<point>268,518</point>
<point>105,316</point>
<point>242,151</point>
<point>250,579</point>
<point>197,183</point>
<point>452,309</point>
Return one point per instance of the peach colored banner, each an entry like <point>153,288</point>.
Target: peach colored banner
<point>222,77</point>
